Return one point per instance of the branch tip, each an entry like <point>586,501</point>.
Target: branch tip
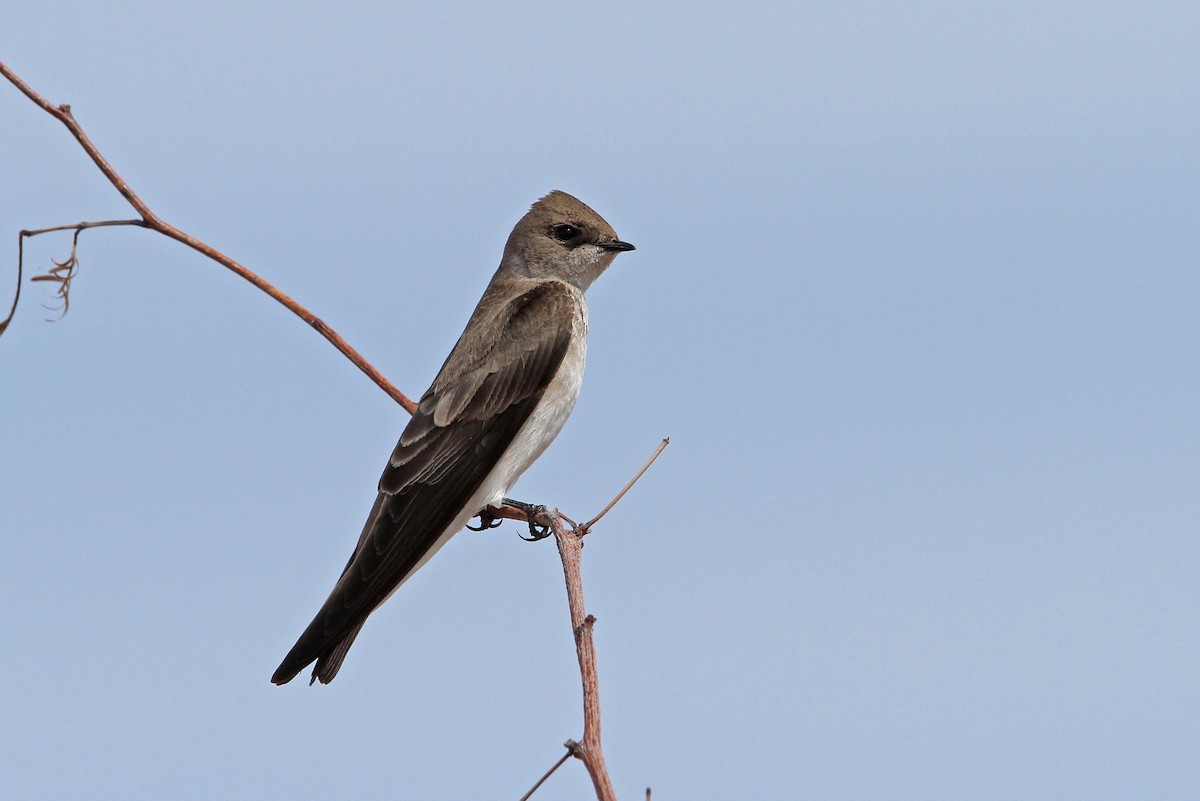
<point>548,773</point>
<point>661,446</point>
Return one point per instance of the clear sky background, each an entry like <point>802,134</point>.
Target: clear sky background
<point>916,298</point>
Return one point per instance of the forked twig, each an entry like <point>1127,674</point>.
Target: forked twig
<point>63,272</point>
<point>570,550</point>
<point>152,221</point>
<point>588,750</point>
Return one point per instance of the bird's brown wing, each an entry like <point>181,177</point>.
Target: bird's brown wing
<point>482,396</point>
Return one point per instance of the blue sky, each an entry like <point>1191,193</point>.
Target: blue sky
<point>915,298</point>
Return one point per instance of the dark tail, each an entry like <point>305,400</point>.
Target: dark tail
<point>329,661</point>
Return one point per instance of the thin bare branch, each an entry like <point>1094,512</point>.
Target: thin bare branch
<point>661,446</point>
<point>547,774</point>
<point>82,226</point>
<point>12,310</point>
<point>570,550</point>
<point>589,750</point>
<point>152,221</point>
<point>63,272</point>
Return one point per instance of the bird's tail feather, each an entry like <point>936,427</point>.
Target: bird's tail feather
<point>328,665</point>
<point>328,662</point>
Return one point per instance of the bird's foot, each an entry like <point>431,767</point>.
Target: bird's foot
<point>486,521</point>
<point>532,512</point>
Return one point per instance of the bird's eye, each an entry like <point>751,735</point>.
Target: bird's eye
<point>566,233</point>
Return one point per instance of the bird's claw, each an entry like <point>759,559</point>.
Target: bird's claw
<point>532,512</point>
<point>536,532</point>
<point>486,521</point>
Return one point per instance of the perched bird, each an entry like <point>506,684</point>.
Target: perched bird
<point>500,398</point>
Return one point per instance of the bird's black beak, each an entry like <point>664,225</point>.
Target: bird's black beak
<point>617,244</point>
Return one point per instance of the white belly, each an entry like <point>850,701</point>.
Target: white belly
<point>538,431</point>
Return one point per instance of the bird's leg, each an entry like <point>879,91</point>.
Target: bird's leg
<point>532,512</point>
<point>486,521</point>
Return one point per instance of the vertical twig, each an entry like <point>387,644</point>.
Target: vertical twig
<point>589,750</point>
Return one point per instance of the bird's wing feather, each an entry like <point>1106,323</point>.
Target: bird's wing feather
<point>482,396</point>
